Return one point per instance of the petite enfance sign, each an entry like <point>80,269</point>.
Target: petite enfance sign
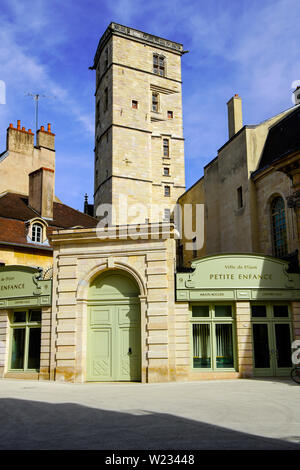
<point>226,275</point>
<point>21,285</point>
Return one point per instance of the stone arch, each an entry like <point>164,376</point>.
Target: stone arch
<point>91,274</point>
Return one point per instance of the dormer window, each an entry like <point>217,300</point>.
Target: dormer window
<point>37,233</point>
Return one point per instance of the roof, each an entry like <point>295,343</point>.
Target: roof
<point>14,212</point>
<point>283,139</point>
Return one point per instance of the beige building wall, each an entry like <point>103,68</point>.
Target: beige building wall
<point>25,257</point>
<point>79,256</point>
<point>22,157</point>
<point>228,227</point>
<point>129,154</point>
<point>194,195</point>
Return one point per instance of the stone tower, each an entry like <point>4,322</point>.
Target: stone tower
<point>139,145</point>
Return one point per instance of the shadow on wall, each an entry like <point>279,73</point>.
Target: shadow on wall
<point>37,425</point>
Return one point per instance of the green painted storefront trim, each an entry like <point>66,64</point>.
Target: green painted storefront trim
<point>21,286</point>
<point>238,277</point>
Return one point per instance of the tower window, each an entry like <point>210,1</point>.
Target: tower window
<point>98,111</point>
<point>106,99</point>
<point>279,233</point>
<point>155,102</point>
<point>106,58</point>
<point>167,215</point>
<point>134,104</point>
<point>167,191</point>
<point>166,147</point>
<point>170,114</point>
<point>240,197</point>
<point>159,65</point>
<point>37,233</point>
<point>166,171</point>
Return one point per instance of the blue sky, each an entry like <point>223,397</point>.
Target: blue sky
<point>236,46</point>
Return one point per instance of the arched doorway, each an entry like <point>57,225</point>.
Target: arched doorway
<point>114,328</point>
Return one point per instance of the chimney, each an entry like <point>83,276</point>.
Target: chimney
<point>41,192</point>
<point>19,140</point>
<point>297,95</point>
<point>46,138</point>
<point>235,118</point>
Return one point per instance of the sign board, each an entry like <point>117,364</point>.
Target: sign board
<point>238,277</point>
<point>22,286</point>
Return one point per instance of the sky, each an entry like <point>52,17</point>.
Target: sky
<point>235,46</point>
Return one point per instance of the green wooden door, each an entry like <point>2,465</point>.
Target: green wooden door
<point>114,342</point>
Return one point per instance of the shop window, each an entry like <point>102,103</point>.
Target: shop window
<point>159,65</point>
<point>213,337</point>
<point>37,233</point>
<point>279,233</point>
<point>155,102</point>
<point>25,340</point>
<point>258,311</point>
<point>280,311</point>
<point>166,147</point>
<point>269,311</point>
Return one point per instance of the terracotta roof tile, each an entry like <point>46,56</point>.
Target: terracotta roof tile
<point>14,212</point>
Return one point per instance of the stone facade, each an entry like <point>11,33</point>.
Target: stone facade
<point>125,83</point>
<point>233,225</point>
<point>79,257</point>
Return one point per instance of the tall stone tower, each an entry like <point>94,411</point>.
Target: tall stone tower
<point>139,145</point>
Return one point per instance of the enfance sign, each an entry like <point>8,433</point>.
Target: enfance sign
<point>21,285</point>
<point>237,276</point>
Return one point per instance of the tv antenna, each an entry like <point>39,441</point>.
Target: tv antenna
<point>37,97</point>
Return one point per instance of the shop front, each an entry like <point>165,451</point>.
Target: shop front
<point>243,314</point>
<point>25,315</point>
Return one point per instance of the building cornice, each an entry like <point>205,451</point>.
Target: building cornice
<point>138,36</point>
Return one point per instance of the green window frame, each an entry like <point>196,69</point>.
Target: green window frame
<point>275,311</point>
<point>213,337</point>
<point>25,340</point>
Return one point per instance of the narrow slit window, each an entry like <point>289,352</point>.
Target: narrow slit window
<point>166,147</point>
<point>155,102</point>
<point>106,99</point>
<point>240,197</point>
<point>167,191</point>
